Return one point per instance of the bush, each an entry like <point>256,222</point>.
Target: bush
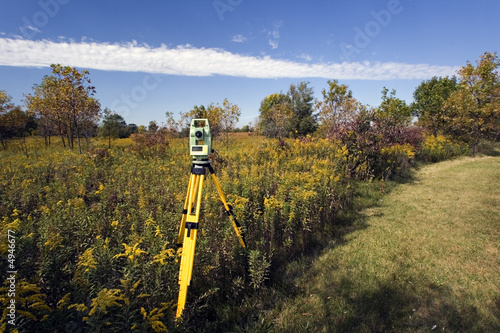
<point>151,143</point>
<point>440,148</point>
<point>376,147</point>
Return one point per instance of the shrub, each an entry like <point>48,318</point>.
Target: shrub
<point>375,147</point>
<point>151,143</point>
<point>440,148</point>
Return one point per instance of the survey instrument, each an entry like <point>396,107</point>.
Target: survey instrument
<point>200,146</point>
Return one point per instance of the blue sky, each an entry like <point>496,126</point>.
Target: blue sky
<point>149,57</point>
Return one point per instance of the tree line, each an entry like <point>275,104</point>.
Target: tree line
<point>63,104</point>
<point>465,107</point>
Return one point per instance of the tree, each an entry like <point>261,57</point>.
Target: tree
<point>5,107</point>
<point>5,102</point>
<point>132,128</point>
<point>113,126</point>
<point>171,126</point>
<point>429,100</point>
<point>230,114</point>
<point>472,112</point>
<point>276,116</point>
<point>153,126</point>
<point>246,128</point>
<point>301,96</point>
<point>393,110</point>
<point>43,105</point>
<point>222,119</point>
<point>65,99</point>
<point>337,107</point>
<point>14,122</point>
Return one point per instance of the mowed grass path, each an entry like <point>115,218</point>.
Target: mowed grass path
<point>427,258</point>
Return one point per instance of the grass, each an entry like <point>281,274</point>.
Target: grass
<point>426,257</point>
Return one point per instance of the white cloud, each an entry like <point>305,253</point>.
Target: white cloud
<point>32,28</point>
<point>274,36</point>
<point>190,61</point>
<point>274,43</point>
<point>305,56</point>
<point>239,39</point>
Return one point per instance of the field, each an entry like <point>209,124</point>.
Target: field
<point>95,246</point>
<point>425,257</point>
<point>96,233</point>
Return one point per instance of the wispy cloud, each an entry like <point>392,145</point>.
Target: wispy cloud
<point>33,28</point>
<point>274,42</point>
<point>274,35</point>
<point>190,61</point>
<point>305,56</point>
<point>239,39</point>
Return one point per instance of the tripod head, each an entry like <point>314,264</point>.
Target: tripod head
<point>200,139</point>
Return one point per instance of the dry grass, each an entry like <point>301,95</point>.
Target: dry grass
<point>427,258</point>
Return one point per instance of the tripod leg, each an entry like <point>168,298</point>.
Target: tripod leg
<point>229,210</point>
<point>191,226</point>
<point>180,238</point>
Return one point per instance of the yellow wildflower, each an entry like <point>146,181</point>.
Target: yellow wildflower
<point>45,210</point>
<point>158,232</point>
<point>154,318</point>
<point>142,201</point>
<point>163,255</point>
<point>63,301</point>
<point>87,260</point>
<point>54,240</point>
<point>78,307</point>
<point>101,188</point>
<point>131,252</point>
<point>105,299</point>
<point>149,220</point>
<point>81,190</point>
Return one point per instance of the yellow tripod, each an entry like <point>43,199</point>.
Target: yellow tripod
<point>189,225</point>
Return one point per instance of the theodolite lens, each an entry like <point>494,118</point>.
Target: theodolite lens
<point>199,134</point>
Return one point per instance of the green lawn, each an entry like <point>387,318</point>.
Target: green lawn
<point>425,258</point>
